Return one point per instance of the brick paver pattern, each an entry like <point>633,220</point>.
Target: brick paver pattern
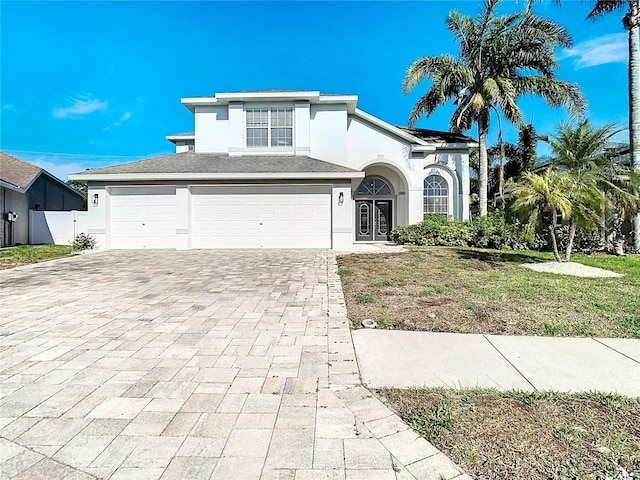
<point>191,365</point>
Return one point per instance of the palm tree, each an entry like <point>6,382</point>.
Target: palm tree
<point>520,157</point>
<point>631,22</point>
<point>540,199</point>
<point>597,184</point>
<point>500,59</point>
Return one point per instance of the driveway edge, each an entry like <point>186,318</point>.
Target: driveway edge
<point>414,457</point>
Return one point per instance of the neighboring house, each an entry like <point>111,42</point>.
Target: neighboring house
<point>279,169</point>
<point>25,187</point>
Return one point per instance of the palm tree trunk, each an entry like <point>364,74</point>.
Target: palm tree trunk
<point>501,171</point>
<point>483,179</point>
<point>634,100</point>
<point>552,233</point>
<point>572,236</point>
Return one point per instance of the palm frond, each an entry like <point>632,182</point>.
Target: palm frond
<point>554,92</point>
<point>604,7</point>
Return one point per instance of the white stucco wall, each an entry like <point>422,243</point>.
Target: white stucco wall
<point>367,143</point>
<point>211,129</point>
<point>302,128</point>
<point>98,215</point>
<point>329,133</point>
<point>342,216</point>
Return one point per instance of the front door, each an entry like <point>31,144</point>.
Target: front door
<point>373,220</point>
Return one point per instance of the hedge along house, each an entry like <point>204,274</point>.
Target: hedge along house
<point>279,169</point>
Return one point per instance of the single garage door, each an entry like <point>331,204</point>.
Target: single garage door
<point>143,217</point>
<point>261,217</point>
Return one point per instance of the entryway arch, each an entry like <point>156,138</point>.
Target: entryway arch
<point>374,198</point>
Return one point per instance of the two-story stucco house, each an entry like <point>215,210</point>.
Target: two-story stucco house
<point>279,169</point>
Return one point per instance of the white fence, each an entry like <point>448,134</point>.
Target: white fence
<point>56,227</point>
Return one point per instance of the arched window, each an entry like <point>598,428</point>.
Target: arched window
<point>373,186</point>
<point>436,195</point>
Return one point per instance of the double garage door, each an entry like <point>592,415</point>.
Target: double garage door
<point>222,217</point>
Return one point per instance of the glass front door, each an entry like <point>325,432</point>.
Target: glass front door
<point>373,220</point>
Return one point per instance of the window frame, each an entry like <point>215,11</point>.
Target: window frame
<point>271,126</point>
<point>443,184</point>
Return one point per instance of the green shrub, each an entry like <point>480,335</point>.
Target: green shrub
<point>498,230</point>
<point>408,235</point>
<point>82,241</point>
<point>495,230</point>
<point>455,234</point>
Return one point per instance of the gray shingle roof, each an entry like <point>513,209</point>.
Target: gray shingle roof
<point>17,172</point>
<point>437,135</point>
<point>189,162</point>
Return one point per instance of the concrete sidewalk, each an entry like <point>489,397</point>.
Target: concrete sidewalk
<point>407,359</point>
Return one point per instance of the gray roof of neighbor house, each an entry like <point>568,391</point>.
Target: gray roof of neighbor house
<point>437,135</point>
<point>17,172</point>
<point>189,162</point>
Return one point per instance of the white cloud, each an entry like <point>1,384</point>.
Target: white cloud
<point>125,116</point>
<point>612,48</point>
<point>8,107</point>
<point>80,106</point>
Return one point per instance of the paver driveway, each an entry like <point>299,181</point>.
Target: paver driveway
<point>196,364</point>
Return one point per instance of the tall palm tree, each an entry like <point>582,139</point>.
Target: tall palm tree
<point>500,59</point>
<point>631,22</point>
<point>540,199</point>
<point>597,184</point>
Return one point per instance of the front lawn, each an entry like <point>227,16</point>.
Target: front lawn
<point>25,254</point>
<point>469,290</point>
<point>530,436</point>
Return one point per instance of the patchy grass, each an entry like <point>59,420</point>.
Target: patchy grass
<point>487,291</point>
<point>524,435</point>
<point>24,254</point>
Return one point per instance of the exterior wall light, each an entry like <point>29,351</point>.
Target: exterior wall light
<point>341,198</point>
<point>95,199</point>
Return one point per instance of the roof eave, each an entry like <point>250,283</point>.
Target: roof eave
<point>180,138</point>
<point>11,186</point>
<point>444,146</point>
<point>388,127</point>
<point>313,97</point>
<point>145,177</point>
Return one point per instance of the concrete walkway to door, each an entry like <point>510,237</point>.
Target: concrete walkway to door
<point>197,364</point>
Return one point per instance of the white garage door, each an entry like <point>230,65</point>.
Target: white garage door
<point>261,217</point>
<point>143,217</point>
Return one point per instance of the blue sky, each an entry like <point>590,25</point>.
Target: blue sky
<point>88,84</point>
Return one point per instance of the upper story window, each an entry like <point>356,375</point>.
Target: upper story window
<point>270,127</point>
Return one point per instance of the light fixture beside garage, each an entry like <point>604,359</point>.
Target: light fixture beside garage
<point>341,198</point>
<point>95,199</point>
